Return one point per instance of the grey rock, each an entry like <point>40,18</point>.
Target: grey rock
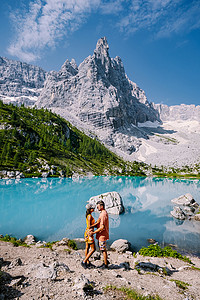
<point>113,202</point>
<point>81,285</point>
<point>17,281</point>
<point>186,200</point>
<point>96,255</point>
<point>11,174</point>
<point>197,217</point>
<point>30,239</point>
<point>45,174</point>
<point>189,210</point>
<point>14,263</point>
<point>151,241</point>
<point>62,173</point>
<point>120,245</point>
<point>41,271</point>
<point>63,242</point>
<point>178,213</point>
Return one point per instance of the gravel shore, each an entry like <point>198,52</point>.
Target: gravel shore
<point>42,273</point>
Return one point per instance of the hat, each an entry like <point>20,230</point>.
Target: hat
<point>89,206</point>
<point>101,202</point>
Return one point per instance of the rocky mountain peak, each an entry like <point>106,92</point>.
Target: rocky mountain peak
<point>101,55</point>
<point>68,69</point>
<point>98,95</point>
<point>102,47</point>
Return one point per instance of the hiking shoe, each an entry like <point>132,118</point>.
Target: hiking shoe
<point>84,265</point>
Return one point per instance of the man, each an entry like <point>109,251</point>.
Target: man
<point>102,231</point>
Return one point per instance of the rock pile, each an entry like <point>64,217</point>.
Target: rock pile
<point>189,207</point>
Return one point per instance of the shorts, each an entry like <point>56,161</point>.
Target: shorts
<point>88,239</point>
<point>102,245</point>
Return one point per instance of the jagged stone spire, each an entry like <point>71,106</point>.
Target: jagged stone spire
<point>101,54</point>
<point>102,47</point>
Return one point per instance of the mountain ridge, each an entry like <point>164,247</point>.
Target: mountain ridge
<point>98,98</point>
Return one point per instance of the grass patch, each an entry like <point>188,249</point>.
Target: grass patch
<point>181,284</point>
<point>195,268</point>
<point>157,251</point>
<point>68,250</point>
<point>72,244</point>
<point>129,293</point>
<point>13,240</point>
<point>49,245</point>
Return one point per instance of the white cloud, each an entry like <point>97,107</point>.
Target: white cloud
<point>112,7</point>
<point>163,17</point>
<point>45,23</point>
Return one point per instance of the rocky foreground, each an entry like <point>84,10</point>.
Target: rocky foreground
<point>44,273</point>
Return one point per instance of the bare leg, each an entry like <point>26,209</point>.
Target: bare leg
<point>93,248</point>
<point>87,246</point>
<point>105,257</point>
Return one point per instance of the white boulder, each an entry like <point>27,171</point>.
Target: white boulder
<point>30,239</point>
<point>186,200</point>
<point>178,213</point>
<point>113,202</point>
<point>82,285</point>
<point>40,271</point>
<point>120,245</point>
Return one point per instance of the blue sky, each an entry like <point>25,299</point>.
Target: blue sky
<point>157,40</point>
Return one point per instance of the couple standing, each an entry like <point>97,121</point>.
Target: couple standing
<point>102,233</point>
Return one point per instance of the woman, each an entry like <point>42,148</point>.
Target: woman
<point>89,240</point>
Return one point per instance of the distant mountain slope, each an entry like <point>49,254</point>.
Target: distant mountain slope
<point>36,141</point>
<point>181,112</point>
<point>20,82</point>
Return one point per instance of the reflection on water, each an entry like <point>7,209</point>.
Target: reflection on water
<point>52,209</point>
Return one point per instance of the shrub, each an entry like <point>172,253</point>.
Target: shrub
<point>13,240</point>
<point>72,244</point>
<point>157,251</point>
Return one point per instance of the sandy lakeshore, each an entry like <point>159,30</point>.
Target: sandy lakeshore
<point>42,273</point>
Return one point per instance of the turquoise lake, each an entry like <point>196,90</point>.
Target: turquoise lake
<point>52,209</point>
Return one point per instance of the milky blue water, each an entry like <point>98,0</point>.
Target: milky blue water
<point>52,209</point>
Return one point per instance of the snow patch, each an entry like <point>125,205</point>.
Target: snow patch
<point>149,124</point>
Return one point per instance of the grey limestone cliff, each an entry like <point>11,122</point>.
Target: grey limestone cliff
<point>98,93</point>
<point>178,112</point>
<point>20,82</point>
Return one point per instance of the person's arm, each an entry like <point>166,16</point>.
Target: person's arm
<point>101,226</point>
<point>89,220</point>
<point>95,224</point>
<point>99,229</point>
